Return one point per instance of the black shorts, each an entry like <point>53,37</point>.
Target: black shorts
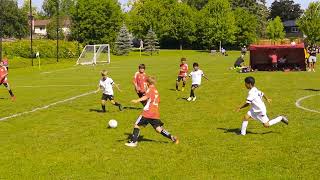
<point>107,97</point>
<point>141,94</point>
<point>195,86</point>
<point>142,121</point>
<point>180,78</point>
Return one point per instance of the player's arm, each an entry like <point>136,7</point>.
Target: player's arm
<point>243,106</point>
<point>99,88</point>
<point>134,81</point>
<point>117,86</point>
<point>144,98</point>
<point>266,98</point>
<point>205,77</point>
<point>3,76</point>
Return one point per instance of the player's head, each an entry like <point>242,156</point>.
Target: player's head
<point>195,66</point>
<point>142,68</point>
<point>151,80</point>
<point>183,60</point>
<point>104,73</point>
<point>249,82</point>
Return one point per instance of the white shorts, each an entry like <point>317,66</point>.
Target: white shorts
<point>312,59</point>
<point>258,116</point>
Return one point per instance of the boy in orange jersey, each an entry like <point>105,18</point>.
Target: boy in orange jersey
<point>183,74</point>
<point>4,79</point>
<point>140,82</point>
<point>150,115</point>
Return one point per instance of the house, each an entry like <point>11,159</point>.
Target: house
<point>292,29</point>
<point>40,27</point>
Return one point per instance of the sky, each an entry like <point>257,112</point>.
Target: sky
<point>304,3</point>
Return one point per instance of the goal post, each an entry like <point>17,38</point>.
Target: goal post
<point>94,54</point>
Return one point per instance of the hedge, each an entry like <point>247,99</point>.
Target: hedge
<point>46,48</point>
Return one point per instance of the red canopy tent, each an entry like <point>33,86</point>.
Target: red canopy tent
<point>260,60</point>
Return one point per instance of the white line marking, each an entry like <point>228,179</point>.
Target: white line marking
<point>55,86</point>
<point>298,105</point>
<point>46,106</point>
<point>48,72</point>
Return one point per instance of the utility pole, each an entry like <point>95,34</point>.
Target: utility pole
<point>31,30</point>
<point>1,28</point>
<point>57,8</point>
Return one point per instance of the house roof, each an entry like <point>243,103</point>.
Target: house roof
<point>289,23</point>
<point>41,22</point>
<point>66,22</point>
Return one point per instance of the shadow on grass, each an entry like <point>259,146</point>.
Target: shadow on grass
<point>173,89</point>
<point>237,131</point>
<point>185,99</point>
<point>96,110</point>
<point>140,139</point>
<point>315,90</point>
<point>133,108</point>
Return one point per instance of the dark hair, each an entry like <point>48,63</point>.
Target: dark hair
<point>142,66</point>
<point>250,80</point>
<point>195,64</point>
<point>183,59</point>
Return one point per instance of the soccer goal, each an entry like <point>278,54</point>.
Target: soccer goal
<point>94,54</point>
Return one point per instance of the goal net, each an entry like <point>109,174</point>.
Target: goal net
<point>94,54</point>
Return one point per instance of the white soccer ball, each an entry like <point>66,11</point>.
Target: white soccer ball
<point>293,43</point>
<point>113,123</point>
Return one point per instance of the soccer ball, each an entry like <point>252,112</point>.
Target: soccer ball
<point>112,123</point>
<point>293,43</point>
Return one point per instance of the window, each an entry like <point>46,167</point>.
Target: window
<point>294,29</point>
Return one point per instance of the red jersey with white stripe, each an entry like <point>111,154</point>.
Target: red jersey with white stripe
<point>151,109</point>
<point>183,70</point>
<point>140,80</point>
<point>3,74</point>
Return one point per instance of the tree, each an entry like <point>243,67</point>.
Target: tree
<point>123,42</point>
<point>151,42</point>
<point>309,23</point>
<point>247,25</point>
<point>180,24</point>
<point>52,29</point>
<point>198,4</point>
<point>275,29</point>
<point>216,23</point>
<point>285,9</point>
<point>50,7</point>
<point>96,21</point>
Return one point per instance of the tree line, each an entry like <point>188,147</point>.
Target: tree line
<point>198,24</point>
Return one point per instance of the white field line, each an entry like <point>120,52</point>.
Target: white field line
<point>54,86</point>
<point>298,103</point>
<point>46,106</point>
<point>48,72</point>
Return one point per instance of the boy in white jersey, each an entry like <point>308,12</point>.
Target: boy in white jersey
<point>106,85</point>
<point>196,76</point>
<point>258,109</point>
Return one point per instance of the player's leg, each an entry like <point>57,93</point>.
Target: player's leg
<point>192,95</point>
<point>314,64</point>
<point>275,121</point>
<point>245,122</point>
<point>158,126</point>
<point>184,82</point>
<point>177,83</point>
<point>111,98</point>
<point>141,121</point>
<point>9,90</point>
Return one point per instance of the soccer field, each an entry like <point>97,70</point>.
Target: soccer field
<point>65,138</point>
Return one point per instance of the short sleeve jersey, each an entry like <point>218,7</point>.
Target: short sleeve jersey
<point>151,109</point>
<point>107,85</point>
<point>184,68</point>
<point>196,77</point>
<point>140,79</point>
<point>255,99</point>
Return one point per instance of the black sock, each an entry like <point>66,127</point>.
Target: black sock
<point>135,135</point>
<point>192,93</point>
<point>166,134</point>
<point>103,108</point>
<point>11,93</point>
<point>183,84</point>
<point>117,104</point>
<point>177,86</point>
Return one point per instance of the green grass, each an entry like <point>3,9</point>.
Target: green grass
<point>68,141</point>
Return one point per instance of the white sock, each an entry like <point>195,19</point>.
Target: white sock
<point>275,120</point>
<point>244,127</point>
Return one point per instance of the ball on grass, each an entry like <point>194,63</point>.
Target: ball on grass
<point>112,123</point>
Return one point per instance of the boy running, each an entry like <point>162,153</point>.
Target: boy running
<point>4,79</point>
<point>140,82</point>
<point>258,109</point>
<point>183,73</point>
<point>106,85</point>
<point>196,76</point>
<point>150,115</point>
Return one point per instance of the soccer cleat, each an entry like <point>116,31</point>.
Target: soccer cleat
<point>189,99</point>
<point>13,98</point>
<point>120,107</point>
<point>131,144</point>
<point>194,98</point>
<point>176,140</point>
<point>285,120</point>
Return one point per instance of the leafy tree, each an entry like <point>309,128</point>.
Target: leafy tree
<point>309,23</point>
<point>275,29</point>
<point>216,23</point>
<point>246,24</point>
<point>50,7</point>
<point>96,21</point>
<point>52,29</point>
<point>286,10</point>
<point>123,42</point>
<point>180,24</point>
<point>151,42</point>
<point>198,4</point>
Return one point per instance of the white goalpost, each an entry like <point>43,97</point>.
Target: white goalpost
<point>94,54</point>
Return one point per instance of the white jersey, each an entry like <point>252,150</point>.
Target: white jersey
<point>255,99</point>
<point>107,86</point>
<point>196,77</point>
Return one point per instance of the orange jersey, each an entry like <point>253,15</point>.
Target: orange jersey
<point>140,80</point>
<point>183,70</point>
<point>3,74</point>
<point>151,109</point>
